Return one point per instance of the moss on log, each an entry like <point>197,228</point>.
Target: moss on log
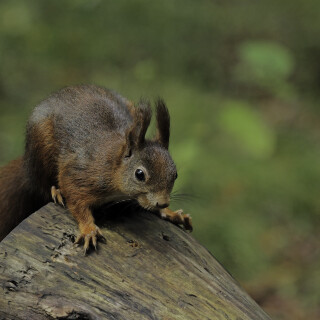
<point>148,269</point>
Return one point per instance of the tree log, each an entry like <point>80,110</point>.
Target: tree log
<point>148,269</point>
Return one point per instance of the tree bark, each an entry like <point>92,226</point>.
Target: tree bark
<point>148,269</point>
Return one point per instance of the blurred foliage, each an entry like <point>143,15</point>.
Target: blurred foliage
<point>241,79</point>
<point>264,64</point>
<point>246,126</point>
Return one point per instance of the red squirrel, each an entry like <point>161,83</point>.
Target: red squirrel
<point>86,146</point>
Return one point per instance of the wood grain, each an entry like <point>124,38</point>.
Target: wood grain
<point>148,269</point>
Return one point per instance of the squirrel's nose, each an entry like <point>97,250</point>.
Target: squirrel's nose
<point>162,205</point>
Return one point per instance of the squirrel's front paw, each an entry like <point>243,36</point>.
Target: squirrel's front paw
<point>177,217</point>
<point>184,219</point>
<point>57,196</point>
<point>187,221</point>
<point>89,233</point>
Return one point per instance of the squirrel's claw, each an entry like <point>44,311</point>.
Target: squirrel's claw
<point>100,235</point>
<point>187,222</point>
<point>177,217</point>
<point>90,237</point>
<point>57,196</point>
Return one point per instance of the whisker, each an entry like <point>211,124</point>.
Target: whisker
<point>180,195</point>
<point>181,198</point>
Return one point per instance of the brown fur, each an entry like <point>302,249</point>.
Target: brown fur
<point>17,201</point>
<point>41,156</point>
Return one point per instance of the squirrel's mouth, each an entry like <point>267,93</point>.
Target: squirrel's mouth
<point>146,204</point>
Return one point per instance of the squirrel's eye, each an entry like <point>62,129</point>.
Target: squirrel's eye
<point>140,175</point>
<point>176,176</point>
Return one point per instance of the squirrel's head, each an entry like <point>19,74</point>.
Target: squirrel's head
<point>147,172</point>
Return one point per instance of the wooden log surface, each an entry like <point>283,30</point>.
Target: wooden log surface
<point>148,269</point>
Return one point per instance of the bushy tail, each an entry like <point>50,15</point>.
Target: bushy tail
<point>16,199</point>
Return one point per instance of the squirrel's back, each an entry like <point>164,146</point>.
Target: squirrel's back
<point>72,122</point>
<point>84,109</point>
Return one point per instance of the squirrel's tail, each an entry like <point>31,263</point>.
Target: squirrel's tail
<point>16,199</point>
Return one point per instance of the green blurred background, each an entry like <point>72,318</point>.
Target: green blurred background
<point>241,79</point>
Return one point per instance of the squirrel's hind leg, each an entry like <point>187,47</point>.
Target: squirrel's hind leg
<point>177,217</point>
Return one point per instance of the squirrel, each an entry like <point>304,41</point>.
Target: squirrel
<point>86,146</point>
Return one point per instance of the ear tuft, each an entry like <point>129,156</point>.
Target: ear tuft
<point>163,124</point>
<point>144,113</point>
<point>141,122</point>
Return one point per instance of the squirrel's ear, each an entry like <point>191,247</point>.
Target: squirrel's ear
<point>144,113</point>
<point>141,121</point>
<point>163,124</point>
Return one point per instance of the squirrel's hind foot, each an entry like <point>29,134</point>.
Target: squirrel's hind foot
<point>89,234</point>
<point>177,217</point>
<point>57,196</point>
